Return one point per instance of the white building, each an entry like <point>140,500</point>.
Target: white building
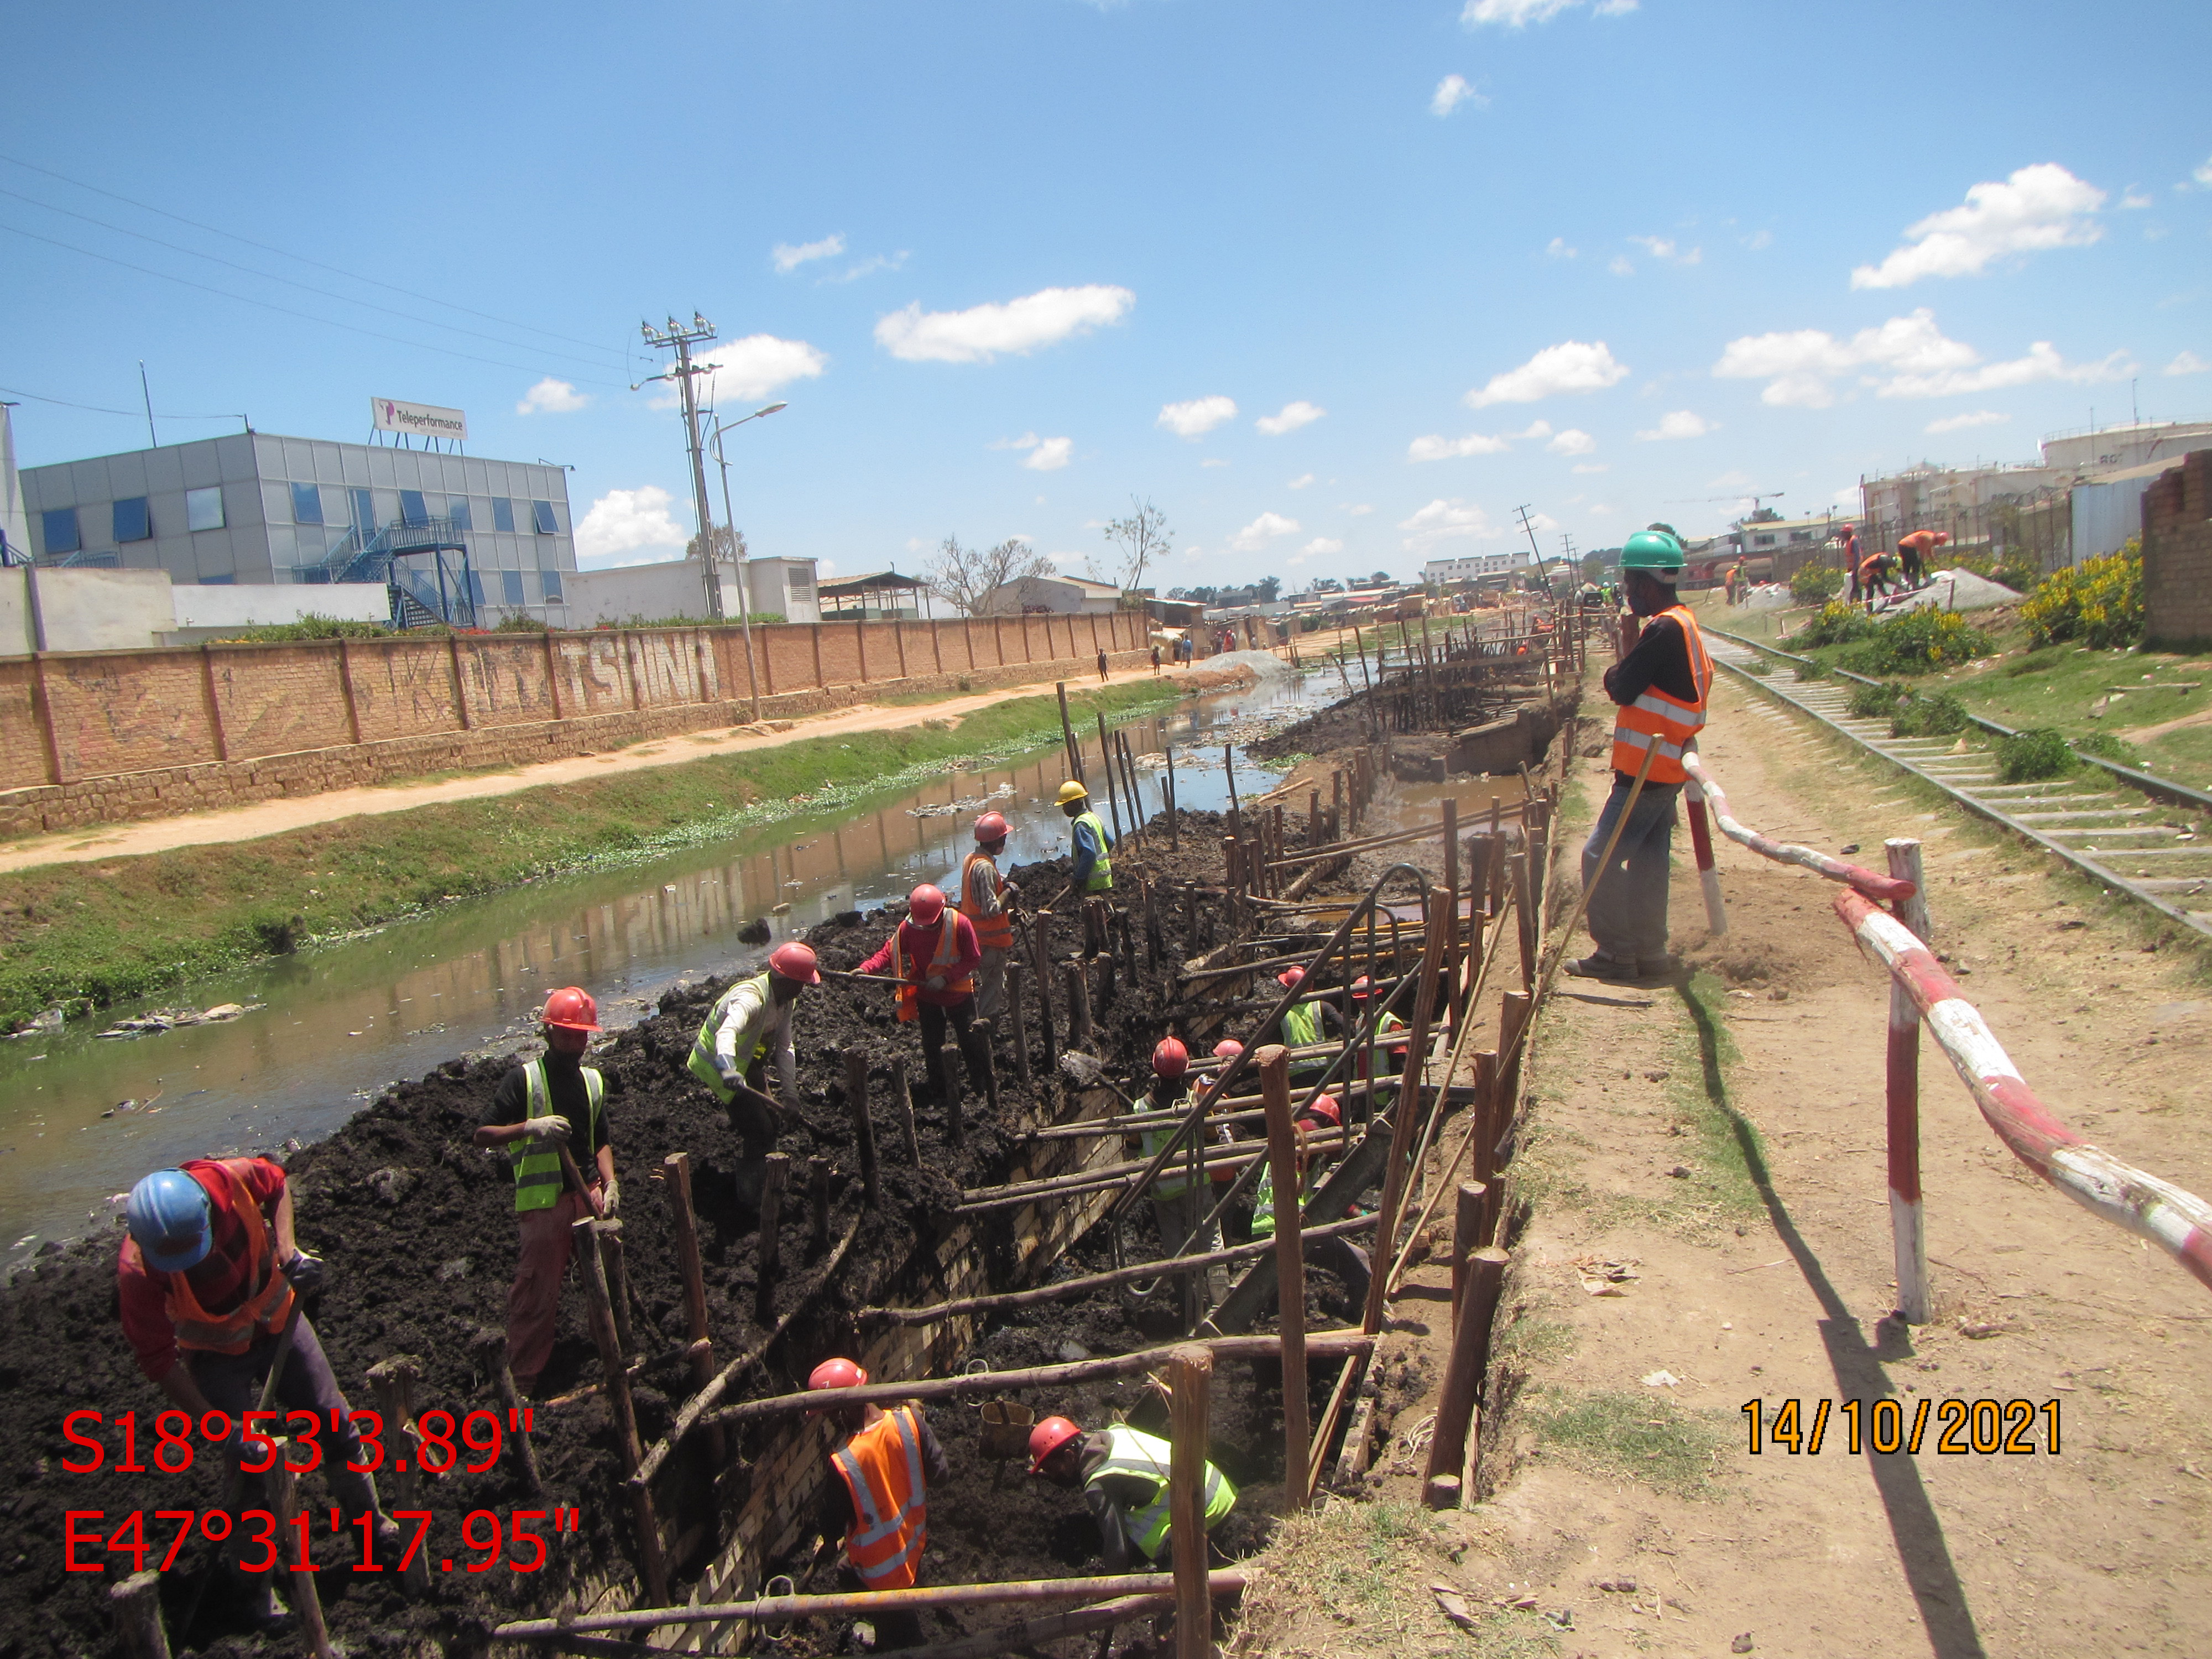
<point>1436,572</point>
<point>678,587</point>
<point>1058,596</point>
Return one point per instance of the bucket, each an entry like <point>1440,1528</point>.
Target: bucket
<point>1005,1431</point>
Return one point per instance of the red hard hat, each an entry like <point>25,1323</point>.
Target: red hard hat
<point>1291,976</point>
<point>991,827</point>
<point>1169,1057</point>
<point>795,961</point>
<point>836,1374</point>
<point>573,1010</point>
<point>1047,1437</point>
<point>1327,1110</point>
<point>926,903</point>
<point>1228,1048</point>
<point>1362,989</point>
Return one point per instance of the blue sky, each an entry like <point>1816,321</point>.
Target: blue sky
<point>1271,267</point>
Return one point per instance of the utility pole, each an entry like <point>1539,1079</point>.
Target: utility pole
<point>681,339</point>
<point>1543,571</point>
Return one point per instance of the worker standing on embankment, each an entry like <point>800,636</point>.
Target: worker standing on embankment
<point>1091,867</point>
<point>933,953</point>
<point>1123,1474</point>
<point>750,1024</point>
<point>878,1502</point>
<point>1660,686</point>
<point>986,897</point>
<point>534,1115</point>
<point>208,1283</point>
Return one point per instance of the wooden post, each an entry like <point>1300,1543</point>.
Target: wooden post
<point>1466,1233</point>
<point>903,1094</point>
<point>1067,726</point>
<point>1174,808</point>
<point>1045,1030</point>
<point>676,1180</point>
<point>1015,1013</point>
<point>1513,1014</point>
<point>1313,820</point>
<point>593,1270</point>
<point>987,1045</point>
<point>768,1252</point>
<point>818,1200</point>
<point>1451,891</point>
<point>1404,1115</point>
<point>1487,1126</point>
<point>1190,1377</point>
<point>1908,1235</point>
<point>1078,1007</point>
<point>491,1354</point>
<point>137,1602</point>
<point>1290,1263</point>
<point>1113,790</point>
<point>1463,1376</point>
<point>284,1486</point>
<point>1524,913</point>
<point>864,1126</point>
<point>617,1273</point>
<point>1338,828</point>
<point>394,1382</point>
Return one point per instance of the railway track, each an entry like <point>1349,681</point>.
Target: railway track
<point>2148,843</point>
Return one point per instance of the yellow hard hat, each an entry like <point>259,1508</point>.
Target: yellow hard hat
<point>1072,791</point>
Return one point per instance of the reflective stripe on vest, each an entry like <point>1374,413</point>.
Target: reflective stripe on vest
<point>1173,1179</point>
<point>947,953</point>
<point>993,931</point>
<point>702,1065</point>
<point>537,1177</point>
<point>1655,719</point>
<point>1102,873</point>
<point>268,1300</point>
<point>881,1466</point>
<point>1133,1452</point>
<point>1263,1201</point>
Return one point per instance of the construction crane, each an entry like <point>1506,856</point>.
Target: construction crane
<point>1757,499</point>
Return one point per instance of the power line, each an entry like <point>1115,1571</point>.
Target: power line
<point>97,408</point>
<point>339,271</point>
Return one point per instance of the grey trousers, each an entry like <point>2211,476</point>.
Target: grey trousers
<point>1628,913</point>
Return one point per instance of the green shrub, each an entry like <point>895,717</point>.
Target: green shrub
<point>519,623</point>
<point>2097,602</point>
<point>1938,716</point>
<point>313,626</point>
<point>1811,669</point>
<point>2107,746</point>
<point>2026,756</point>
<point>1838,622</point>
<point>1815,583</point>
<point>1874,702</point>
<point>1918,640</point>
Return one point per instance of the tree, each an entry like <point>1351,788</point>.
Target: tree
<point>1139,541</point>
<point>966,576</point>
<point>728,544</point>
<point>1379,576</point>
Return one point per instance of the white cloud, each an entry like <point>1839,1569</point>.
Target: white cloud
<point>2187,363</point>
<point>552,396</point>
<point>1679,423</point>
<point>753,368</point>
<point>2042,206</point>
<point>1519,14</point>
<point>1290,417</point>
<point>1572,441</point>
<point>1359,509</point>
<point>1443,522</point>
<point>789,255</point>
<point>1960,422</point>
<point>1557,248</point>
<point>629,527</point>
<point>868,267</point>
<point>1437,447</point>
<point>1197,417</point>
<point>1910,355</point>
<point>2133,199</point>
<point>981,332</point>
<point>2203,174</point>
<point>1262,529</point>
<point>1301,481</point>
<point>1666,248</point>
<point>1322,546</point>
<point>1451,92</point>
<point>1757,240</point>
<point>1049,454</point>
<point>2042,363</point>
<point>1621,265</point>
<point>1213,460</point>
<point>1571,366</point>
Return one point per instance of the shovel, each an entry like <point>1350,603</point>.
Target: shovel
<point>1091,1072</point>
<point>863,979</point>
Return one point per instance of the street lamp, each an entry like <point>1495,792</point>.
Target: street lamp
<point>745,583</point>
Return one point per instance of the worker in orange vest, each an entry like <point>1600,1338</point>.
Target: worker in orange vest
<point>879,1501</point>
<point>1912,553</point>
<point>987,900</point>
<point>933,954</point>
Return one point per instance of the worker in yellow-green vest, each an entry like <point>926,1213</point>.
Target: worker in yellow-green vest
<point>749,1024</point>
<point>540,1112</point>
<point>1179,1203</point>
<point>1390,1041</point>
<point>1092,870</point>
<point>1339,1255</point>
<point>1305,1024</point>
<point>1124,1475</point>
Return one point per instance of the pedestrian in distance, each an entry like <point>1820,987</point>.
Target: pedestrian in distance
<point>884,1464</point>
<point>1091,863</point>
<point>1660,686</point>
<point>1123,1474</point>
<point>1156,659</point>
<point>543,1114</point>
<point>749,1025</point>
<point>933,954</point>
<point>987,900</point>
<point>1102,668</point>
<point>208,1281</point>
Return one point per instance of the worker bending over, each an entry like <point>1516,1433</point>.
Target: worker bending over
<point>1092,869</point>
<point>1912,553</point>
<point>933,954</point>
<point>987,900</point>
<point>208,1281</point>
<point>884,1463</point>
<point>749,1025</point>
<point>1660,686</point>
<point>1123,1474</point>
<point>535,1114</point>
<point>1340,1255</point>
<point>1877,572</point>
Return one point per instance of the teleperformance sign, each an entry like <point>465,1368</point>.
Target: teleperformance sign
<point>424,420</point>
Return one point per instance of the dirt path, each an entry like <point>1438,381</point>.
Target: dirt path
<point>271,817</point>
<point>1734,1167</point>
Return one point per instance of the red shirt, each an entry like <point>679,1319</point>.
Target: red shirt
<point>920,944</point>
<point>219,1281</point>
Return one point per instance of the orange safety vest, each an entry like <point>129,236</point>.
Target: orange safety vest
<point>268,1300</point>
<point>881,1467</point>
<point>1667,723</point>
<point>992,933</point>
<point>947,953</point>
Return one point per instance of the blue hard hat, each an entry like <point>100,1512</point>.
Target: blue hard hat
<point>168,1216</point>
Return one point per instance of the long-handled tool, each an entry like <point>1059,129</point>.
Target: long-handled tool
<point>861,979</point>
<point>234,1487</point>
<point>1091,1072</point>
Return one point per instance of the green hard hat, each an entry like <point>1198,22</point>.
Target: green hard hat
<point>1654,550</point>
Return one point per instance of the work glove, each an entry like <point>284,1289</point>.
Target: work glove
<point>306,1272</point>
<point>935,982</point>
<point>732,1077</point>
<point>610,1197</point>
<point>553,1128</point>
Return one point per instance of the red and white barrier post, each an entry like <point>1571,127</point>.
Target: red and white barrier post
<point>1907,1229</point>
<point>1709,877</point>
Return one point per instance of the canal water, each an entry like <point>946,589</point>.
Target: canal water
<point>82,1118</point>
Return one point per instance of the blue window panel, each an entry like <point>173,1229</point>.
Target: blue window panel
<point>458,510</point>
<point>412,508</point>
<point>61,530</point>
<point>550,581</point>
<point>510,585</point>
<point>230,581</point>
<point>503,513</point>
<point>132,521</point>
<point>364,509</point>
<point>306,503</point>
<point>203,508</point>
<point>541,514</point>
<point>476,586</point>
<point>312,575</point>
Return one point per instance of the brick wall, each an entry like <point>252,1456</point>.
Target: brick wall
<point>91,736</point>
<point>2177,519</point>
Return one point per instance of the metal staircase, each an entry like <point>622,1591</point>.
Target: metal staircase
<point>422,594</point>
